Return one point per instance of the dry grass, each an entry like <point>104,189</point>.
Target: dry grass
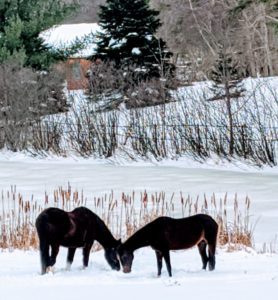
<point>124,214</point>
<point>270,247</point>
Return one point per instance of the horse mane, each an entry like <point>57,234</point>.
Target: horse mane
<point>104,237</point>
<point>141,238</point>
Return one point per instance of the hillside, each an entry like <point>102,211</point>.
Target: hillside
<point>87,13</point>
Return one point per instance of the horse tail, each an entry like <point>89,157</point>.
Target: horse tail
<point>44,244</point>
<point>211,232</point>
<point>218,232</point>
<point>44,255</point>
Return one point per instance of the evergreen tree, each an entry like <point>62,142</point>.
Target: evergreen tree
<point>227,85</point>
<point>128,37</point>
<point>21,22</point>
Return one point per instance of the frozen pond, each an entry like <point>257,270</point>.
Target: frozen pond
<point>35,177</point>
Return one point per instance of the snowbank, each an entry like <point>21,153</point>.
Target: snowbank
<point>61,36</point>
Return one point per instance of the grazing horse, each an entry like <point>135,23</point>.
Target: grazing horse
<point>165,234</point>
<point>78,228</point>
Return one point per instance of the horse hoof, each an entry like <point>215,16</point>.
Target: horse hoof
<point>50,270</point>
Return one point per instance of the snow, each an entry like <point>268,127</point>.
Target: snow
<point>258,109</point>
<point>241,274</point>
<point>64,35</point>
<point>238,275</point>
<point>113,43</point>
<point>136,51</point>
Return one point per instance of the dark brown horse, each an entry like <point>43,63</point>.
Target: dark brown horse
<point>78,228</point>
<point>165,234</point>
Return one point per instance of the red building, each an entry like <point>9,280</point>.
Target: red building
<point>76,70</point>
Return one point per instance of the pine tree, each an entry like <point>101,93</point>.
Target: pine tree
<point>21,23</point>
<point>227,85</point>
<point>226,73</point>
<point>128,37</point>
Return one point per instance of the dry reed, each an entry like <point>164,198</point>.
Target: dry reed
<point>124,214</point>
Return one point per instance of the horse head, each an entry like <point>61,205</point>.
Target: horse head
<point>126,257</point>
<point>112,257</point>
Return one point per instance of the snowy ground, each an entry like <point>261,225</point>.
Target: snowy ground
<point>238,275</point>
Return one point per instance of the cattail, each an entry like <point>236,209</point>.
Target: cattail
<point>17,228</point>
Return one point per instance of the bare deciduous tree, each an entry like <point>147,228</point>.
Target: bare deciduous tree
<point>25,96</point>
<point>196,26</point>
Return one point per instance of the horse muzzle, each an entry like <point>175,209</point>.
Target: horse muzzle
<point>126,269</point>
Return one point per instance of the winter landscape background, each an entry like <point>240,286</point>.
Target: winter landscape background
<point>200,123</point>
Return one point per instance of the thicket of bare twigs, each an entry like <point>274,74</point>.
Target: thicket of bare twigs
<point>194,30</point>
<point>114,86</point>
<point>190,126</point>
<point>124,214</point>
<point>26,96</point>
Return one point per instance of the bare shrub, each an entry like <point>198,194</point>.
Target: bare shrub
<point>190,126</point>
<point>25,96</point>
<point>47,136</point>
<point>92,134</point>
<point>115,85</point>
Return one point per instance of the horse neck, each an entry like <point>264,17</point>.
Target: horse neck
<point>139,239</point>
<point>104,236</point>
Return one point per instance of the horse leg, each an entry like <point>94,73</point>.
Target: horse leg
<point>166,255</point>
<point>202,250</point>
<point>211,258</point>
<point>44,254</point>
<point>71,252</point>
<point>86,254</point>
<point>159,261</point>
<point>54,253</point>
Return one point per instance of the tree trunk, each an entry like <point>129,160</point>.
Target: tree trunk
<point>268,67</point>
<point>250,55</point>
<point>230,116</point>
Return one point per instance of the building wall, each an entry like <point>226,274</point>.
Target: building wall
<point>76,70</point>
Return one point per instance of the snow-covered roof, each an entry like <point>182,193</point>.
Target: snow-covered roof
<point>63,35</point>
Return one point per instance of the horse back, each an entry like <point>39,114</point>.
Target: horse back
<point>52,222</point>
<point>83,227</point>
<point>185,232</point>
<point>69,229</point>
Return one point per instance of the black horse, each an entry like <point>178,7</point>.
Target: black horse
<point>165,234</point>
<point>78,228</point>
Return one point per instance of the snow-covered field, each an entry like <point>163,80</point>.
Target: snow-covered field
<point>238,275</point>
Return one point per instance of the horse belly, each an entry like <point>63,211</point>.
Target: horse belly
<point>72,242</point>
<point>178,245</point>
<point>185,241</point>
